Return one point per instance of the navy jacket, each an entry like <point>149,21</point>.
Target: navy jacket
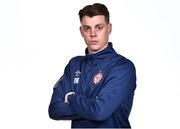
<point>104,84</point>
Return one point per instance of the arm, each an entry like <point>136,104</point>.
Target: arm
<point>58,109</point>
<point>119,85</point>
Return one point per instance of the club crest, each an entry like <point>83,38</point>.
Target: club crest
<point>97,78</point>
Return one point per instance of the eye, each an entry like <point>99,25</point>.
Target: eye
<point>86,29</point>
<point>100,27</point>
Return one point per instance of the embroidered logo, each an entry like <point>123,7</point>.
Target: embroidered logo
<point>76,78</point>
<point>97,78</point>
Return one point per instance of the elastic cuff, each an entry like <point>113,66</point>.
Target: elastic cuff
<point>72,97</point>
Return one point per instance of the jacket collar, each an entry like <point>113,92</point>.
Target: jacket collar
<point>105,54</point>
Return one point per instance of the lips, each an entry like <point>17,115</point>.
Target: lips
<point>93,42</point>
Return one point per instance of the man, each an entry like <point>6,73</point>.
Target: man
<point>96,90</point>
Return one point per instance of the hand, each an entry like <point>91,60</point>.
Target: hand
<point>67,96</point>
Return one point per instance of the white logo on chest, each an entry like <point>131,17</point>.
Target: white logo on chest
<point>76,78</point>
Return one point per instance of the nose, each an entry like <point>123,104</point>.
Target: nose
<point>93,33</point>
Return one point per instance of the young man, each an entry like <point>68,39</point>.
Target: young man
<point>96,90</point>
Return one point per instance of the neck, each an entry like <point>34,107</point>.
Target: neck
<point>94,52</point>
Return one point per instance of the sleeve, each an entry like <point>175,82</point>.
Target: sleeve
<point>58,110</point>
<point>119,85</point>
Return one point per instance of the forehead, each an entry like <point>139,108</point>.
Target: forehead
<point>91,21</point>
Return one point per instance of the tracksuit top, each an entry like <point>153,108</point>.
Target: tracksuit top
<point>104,85</point>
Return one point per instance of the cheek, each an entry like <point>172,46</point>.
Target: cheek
<point>85,35</point>
<point>104,35</point>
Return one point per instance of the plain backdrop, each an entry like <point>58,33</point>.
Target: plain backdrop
<point>39,37</point>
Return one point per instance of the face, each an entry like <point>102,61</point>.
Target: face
<point>95,32</point>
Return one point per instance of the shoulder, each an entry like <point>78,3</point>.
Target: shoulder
<point>76,59</point>
<point>73,63</point>
<point>122,63</point>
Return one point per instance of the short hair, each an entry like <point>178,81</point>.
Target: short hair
<point>93,10</point>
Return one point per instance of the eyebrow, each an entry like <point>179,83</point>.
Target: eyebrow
<point>95,25</point>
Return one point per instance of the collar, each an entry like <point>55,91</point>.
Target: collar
<point>99,57</point>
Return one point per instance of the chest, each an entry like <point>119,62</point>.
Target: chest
<point>88,79</point>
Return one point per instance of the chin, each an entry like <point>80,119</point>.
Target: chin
<point>94,48</point>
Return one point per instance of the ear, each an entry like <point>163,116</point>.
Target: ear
<point>80,29</point>
<point>109,28</point>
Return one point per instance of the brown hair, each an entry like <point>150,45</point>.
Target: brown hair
<point>93,10</point>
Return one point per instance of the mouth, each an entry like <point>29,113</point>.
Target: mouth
<point>93,42</point>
